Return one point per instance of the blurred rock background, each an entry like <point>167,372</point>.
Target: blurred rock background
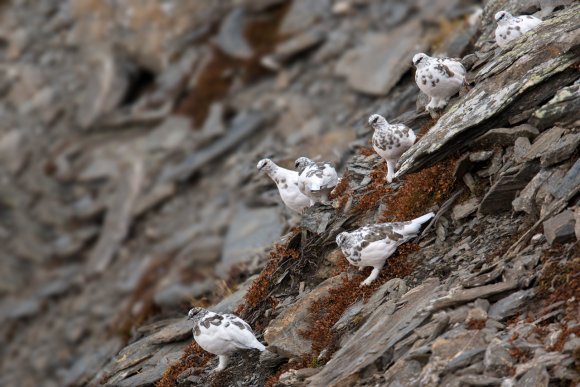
<point>129,139</point>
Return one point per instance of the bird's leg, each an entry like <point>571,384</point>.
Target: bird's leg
<point>390,170</point>
<point>431,104</point>
<point>312,202</point>
<point>324,197</point>
<point>223,363</point>
<point>442,103</point>
<point>373,276</point>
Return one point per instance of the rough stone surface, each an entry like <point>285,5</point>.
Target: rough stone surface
<point>508,306</point>
<point>560,228</point>
<point>463,210</point>
<point>283,335</point>
<point>480,108</point>
<point>250,231</point>
<point>505,136</point>
<point>364,67</point>
<point>376,336</point>
<point>501,194</point>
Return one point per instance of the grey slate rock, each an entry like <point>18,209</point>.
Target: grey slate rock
<point>505,136</point>
<point>561,110</point>
<point>508,306</point>
<point>560,228</point>
<point>500,195</point>
<point>499,91</point>
<point>230,38</point>
<point>535,377</point>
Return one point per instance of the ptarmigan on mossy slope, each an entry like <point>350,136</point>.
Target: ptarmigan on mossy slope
<point>222,334</point>
<point>511,27</point>
<point>287,183</point>
<point>316,180</point>
<point>372,245</point>
<point>390,141</point>
<point>439,78</point>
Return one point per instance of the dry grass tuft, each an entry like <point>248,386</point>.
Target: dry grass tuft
<point>193,356</point>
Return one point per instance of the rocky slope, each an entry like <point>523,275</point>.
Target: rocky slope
<point>129,193</point>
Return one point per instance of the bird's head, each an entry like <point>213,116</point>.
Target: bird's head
<point>265,165</point>
<point>193,312</point>
<point>340,238</point>
<point>502,16</point>
<point>302,162</point>
<point>376,120</point>
<point>420,60</point>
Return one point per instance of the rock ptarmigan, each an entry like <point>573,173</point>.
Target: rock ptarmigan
<point>315,180</point>
<point>372,245</point>
<point>287,183</point>
<point>222,334</point>
<point>511,27</point>
<point>390,141</point>
<point>439,78</point>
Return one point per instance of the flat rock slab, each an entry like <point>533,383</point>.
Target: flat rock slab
<point>378,335</point>
<point>560,228</point>
<point>284,334</point>
<point>562,109</point>
<point>508,85</point>
<point>505,136</point>
<point>376,66</point>
<point>250,231</point>
<point>467,295</point>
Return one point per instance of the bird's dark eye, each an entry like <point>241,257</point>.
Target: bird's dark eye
<point>376,120</point>
<point>501,17</point>
<point>419,60</point>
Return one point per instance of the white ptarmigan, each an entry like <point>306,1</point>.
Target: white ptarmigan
<point>511,27</point>
<point>287,183</point>
<point>315,180</point>
<point>390,141</point>
<point>222,334</point>
<point>372,245</point>
<point>439,78</point>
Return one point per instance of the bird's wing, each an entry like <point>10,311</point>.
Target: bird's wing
<point>455,66</point>
<point>239,332</point>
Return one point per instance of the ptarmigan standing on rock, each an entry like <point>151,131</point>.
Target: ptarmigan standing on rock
<point>510,27</point>
<point>390,141</point>
<point>316,180</point>
<point>222,334</point>
<point>287,183</point>
<point>439,78</point>
<point>372,245</point>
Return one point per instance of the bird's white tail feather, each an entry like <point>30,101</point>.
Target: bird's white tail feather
<point>259,346</point>
<point>425,218</point>
<point>413,229</point>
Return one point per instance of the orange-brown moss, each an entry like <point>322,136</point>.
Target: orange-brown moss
<point>375,191</point>
<point>475,324</point>
<point>193,356</point>
<point>521,355</point>
<point>419,192</point>
<point>560,281</point>
<point>328,310</point>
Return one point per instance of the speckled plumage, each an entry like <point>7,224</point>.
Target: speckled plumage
<point>372,245</point>
<point>390,141</point>
<point>316,180</point>
<point>287,183</point>
<point>511,27</point>
<point>439,78</point>
<point>222,334</point>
